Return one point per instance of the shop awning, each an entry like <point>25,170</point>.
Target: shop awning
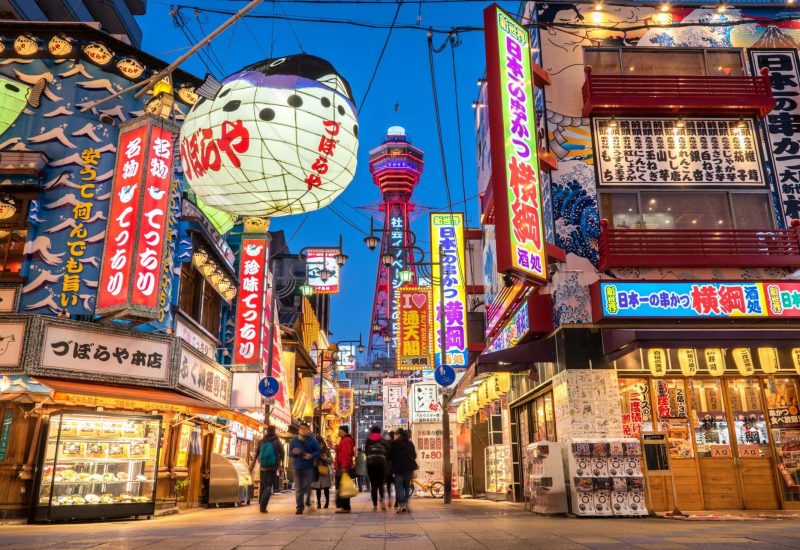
<point>518,358</point>
<point>618,342</point>
<point>67,392</point>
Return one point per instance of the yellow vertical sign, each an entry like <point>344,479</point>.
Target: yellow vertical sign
<point>449,283</point>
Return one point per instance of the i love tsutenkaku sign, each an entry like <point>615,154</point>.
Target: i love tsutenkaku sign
<point>415,335</point>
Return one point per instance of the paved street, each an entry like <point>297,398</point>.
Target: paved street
<point>463,526</point>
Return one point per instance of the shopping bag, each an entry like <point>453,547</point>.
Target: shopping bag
<point>347,487</point>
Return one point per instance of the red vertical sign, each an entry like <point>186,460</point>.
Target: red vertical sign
<point>250,324</point>
<point>133,252</point>
<point>155,216</point>
<point>123,219</point>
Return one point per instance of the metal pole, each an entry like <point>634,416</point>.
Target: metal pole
<point>175,64</point>
<point>447,470</point>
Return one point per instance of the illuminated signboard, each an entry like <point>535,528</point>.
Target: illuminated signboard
<point>344,402</point>
<point>515,165</point>
<point>414,350</point>
<point>318,259</point>
<point>250,302</point>
<point>397,228</point>
<point>696,299</point>
<point>425,406</point>
<point>346,352</point>
<point>447,232</point>
<point>516,329</point>
<point>136,236</point>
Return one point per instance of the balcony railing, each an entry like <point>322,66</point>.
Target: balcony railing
<point>677,95</point>
<point>698,248</point>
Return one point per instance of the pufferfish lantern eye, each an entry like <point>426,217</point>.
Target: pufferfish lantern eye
<point>295,101</point>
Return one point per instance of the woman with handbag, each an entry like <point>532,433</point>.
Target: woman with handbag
<point>324,479</point>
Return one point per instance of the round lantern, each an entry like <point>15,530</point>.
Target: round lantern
<point>279,137</point>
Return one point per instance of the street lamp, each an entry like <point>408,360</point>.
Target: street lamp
<point>324,275</point>
<point>306,290</point>
<point>371,241</point>
<point>405,276</point>
<point>387,259</point>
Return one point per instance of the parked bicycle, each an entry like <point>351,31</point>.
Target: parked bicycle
<point>434,488</point>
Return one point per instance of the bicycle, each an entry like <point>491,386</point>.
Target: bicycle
<point>435,488</point>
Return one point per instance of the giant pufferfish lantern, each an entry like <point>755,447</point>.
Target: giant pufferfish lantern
<point>279,137</point>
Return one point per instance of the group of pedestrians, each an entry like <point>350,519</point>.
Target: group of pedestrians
<point>389,461</point>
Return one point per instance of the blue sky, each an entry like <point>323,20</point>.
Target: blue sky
<point>400,95</point>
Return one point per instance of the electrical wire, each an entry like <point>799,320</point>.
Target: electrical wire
<point>380,56</point>
<point>454,43</point>
<point>291,27</point>
<point>344,219</point>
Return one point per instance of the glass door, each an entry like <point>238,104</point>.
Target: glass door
<point>783,412</point>
<point>752,452</point>
<point>715,453</point>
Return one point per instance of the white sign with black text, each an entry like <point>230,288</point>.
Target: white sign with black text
<point>204,377</point>
<point>425,406</point>
<point>692,151</point>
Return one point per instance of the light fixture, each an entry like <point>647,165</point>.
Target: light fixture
<point>360,348</point>
<point>8,207</point>
<point>376,327</point>
<point>306,290</point>
<point>405,275</point>
<point>352,358</point>
<point>208,268</point>
<point>200,257</point>
<point>613,122</point>
<point>598,6</point>
<point>341,258</point>
<point>387,259</point>
<point>216,277</point>
<point>741,123</point>
<point>224,285</point>
<point>230,294</point>
<point>371,241</point>
<point>664,7</point>
<point>481,82</point>
<point>324,274</point>
<point>387,337</point>
<point>680,123</point>
<point>722,8</point>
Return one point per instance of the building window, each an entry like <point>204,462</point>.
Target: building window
<point>198,299</point>
<point>665,61</point>
<point>13,232</point>
<point>687,210</point>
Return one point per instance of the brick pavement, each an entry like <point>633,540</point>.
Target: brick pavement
<point>465,525</point>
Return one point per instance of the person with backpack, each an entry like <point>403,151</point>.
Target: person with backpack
<point>361,471</point>
<point>376,452</point>
<point>269,455</point>
<point>403,455</point>
<point>304,450</point>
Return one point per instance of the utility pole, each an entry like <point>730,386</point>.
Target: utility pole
<point>447,466</point>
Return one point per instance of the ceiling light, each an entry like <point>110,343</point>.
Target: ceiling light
<point>664,7</point>
<point>598,6</point>
<point>680,123</point>
<point>722,8</point>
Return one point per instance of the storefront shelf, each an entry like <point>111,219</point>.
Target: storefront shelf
<point>60,483</point>
<point>99,460</point>
<point>101,439</point>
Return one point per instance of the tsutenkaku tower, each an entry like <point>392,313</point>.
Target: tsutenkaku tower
<point>396,167</point>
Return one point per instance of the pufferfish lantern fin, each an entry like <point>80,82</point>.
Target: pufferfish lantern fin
<point>335,82</point>
<point>210,87</point>
<point>35,94</point>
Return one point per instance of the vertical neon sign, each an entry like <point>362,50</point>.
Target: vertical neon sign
<point>447,233</point>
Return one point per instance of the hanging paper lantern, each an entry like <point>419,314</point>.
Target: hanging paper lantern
<point>687,358</point>
<point>657,360</point>
<point>715,361</point>
<point>768,357</point>
<point>492,387</point>
<point>744,361</point>
<point>279,137</point>
<point>474,405</point>
<point>483,398</point>
<point>504,382</point>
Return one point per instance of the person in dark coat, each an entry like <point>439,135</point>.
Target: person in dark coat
<point>304,450</point>
<point>388,438</point>
<point>268,472</point>
<point>377,451</point>
<point>403,455</point>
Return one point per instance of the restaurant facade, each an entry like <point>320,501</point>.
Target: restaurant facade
<point>667,173</point>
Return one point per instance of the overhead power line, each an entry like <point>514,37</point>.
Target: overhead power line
<point>380,56</point>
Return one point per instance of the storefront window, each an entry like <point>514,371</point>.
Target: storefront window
<point>709,422</point>
<point>637,415</point>
<point>664,61</point>
<point>549,417</point>
<point>13,233</point>
<point>748,418</point>
<point>752,210</point>
<point>541,424</point>
<point>672,412</point>
<point>784,421</point>
<point>621,210</point>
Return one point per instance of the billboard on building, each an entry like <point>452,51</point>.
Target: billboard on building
<point>395,403</point>
<point>516,189</point>
<point>136,236</point>
<point>318,259</point>
<point>449,284</point>
<point>415,328</point>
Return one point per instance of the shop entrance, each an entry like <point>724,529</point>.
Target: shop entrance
<point>734,458</point>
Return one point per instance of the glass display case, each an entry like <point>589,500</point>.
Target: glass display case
<point>97,465</point>
<point>499,475</point>
<point>245,479</point>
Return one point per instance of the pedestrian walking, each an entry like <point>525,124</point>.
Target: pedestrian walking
<point>269,455</point>
<point>343,463</point>
<point>324,481</point>
<point>388,438</point>
<point>404,461</point>
<point>304,450</point>
<point>361,471</point>
<point>376,452</point>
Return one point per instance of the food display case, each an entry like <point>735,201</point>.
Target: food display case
<point>230,481</point>
<point>498,471</point>
<point>245,479</point>
<point>97,466</point>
